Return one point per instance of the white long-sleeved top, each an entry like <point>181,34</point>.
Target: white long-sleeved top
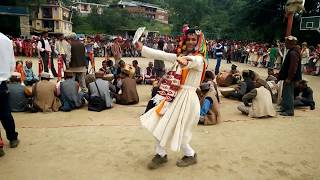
<point>46,45</point>
<point>7,59</point>
<point>60,47</point>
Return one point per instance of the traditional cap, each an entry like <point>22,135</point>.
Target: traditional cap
<point>45,75</point>
<point>291,38</point>
<point>28,62</point>
<point>71,36</point>
<point>129,70</point>
<point>99,74</point>
<point>304,43</point>
<point>205,86</point>
<point>262,82</point>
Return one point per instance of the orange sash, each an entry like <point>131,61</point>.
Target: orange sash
<point>184,75</point>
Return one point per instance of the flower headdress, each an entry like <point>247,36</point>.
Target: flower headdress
<point>201,47</point>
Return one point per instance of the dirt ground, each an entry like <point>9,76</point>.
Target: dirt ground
<point>83,145</point>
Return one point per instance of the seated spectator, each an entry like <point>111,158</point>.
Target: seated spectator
<point>228,78</point>
<point>105,68</point>
<point>108,75</point>
<point>150,75</point>
<point>138,74</point>
<point>245,86</point>
<point>209,78</point>
<point>209,112</point>
<point>154,92</point>
<point>19,69</point>
<point>31,78</point>
<point>69,93</point>
<point>271,75</point>
<point>18,100</point>
<point>44,93</point>
<point>235,74</point>
<point>128,87</point>
<point>101,88</point>
<point>258,102</point>
<point>120,66</point>
<point>111,68</point>
<point>303,95</point>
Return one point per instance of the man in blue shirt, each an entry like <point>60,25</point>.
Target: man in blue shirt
<point>219,53</point>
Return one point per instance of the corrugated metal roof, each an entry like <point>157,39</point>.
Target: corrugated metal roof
<point>138,3</point>
<point>15,11</point>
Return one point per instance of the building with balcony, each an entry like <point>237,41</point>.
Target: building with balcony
<point>148,10</point>
<point>11,14</point>
<point>85,8</point>
<point>52,17</point>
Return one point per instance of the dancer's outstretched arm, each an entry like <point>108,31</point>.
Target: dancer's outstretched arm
<point>155,54</point>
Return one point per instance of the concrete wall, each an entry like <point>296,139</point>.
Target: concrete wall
<point>24,26</point>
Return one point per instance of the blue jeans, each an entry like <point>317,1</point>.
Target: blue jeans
<point>206,106</point>
<point>5,113</point>
<point>217,69</point>
<point>287,103</point>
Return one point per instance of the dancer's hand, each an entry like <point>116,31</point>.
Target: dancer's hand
<point>183,60</point>
<point>139,45</point>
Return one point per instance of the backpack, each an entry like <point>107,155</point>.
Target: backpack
<point>96,103</point>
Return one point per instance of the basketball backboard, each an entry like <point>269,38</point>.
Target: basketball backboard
<point>310,23</point>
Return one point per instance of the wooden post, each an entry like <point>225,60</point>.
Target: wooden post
<point>289,25</point>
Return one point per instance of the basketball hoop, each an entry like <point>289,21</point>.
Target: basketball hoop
<point>311,23</point>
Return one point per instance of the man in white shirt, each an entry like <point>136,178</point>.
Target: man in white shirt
<point>7,66</point>
<point>60,47</point>
<point>44,49</point>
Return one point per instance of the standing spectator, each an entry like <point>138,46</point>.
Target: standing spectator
<point>60,47</point>
<point>78,63</point>
<point>44,49</point>
<point>290,73</point>
<point>304,57</point>
<point>219,53</point>
<point>159,65</point>
<point>116,51</point>
<point>273,56</point>
<point>89,53</point>
<point>7,66</point>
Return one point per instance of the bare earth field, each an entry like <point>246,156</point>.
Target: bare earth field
<point>83,145</point>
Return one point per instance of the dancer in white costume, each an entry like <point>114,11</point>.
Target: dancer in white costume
<point>173,125</point>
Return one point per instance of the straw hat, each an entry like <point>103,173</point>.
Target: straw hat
<point>129,70</point>
<point>28,91</point>
<point>99,74</point>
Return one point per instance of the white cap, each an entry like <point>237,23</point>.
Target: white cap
<point>46,75</point>
<point>291,38</point>
<point>16,74</point>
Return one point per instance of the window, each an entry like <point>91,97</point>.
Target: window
<point>57,24</point>
<point>46,12</point>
